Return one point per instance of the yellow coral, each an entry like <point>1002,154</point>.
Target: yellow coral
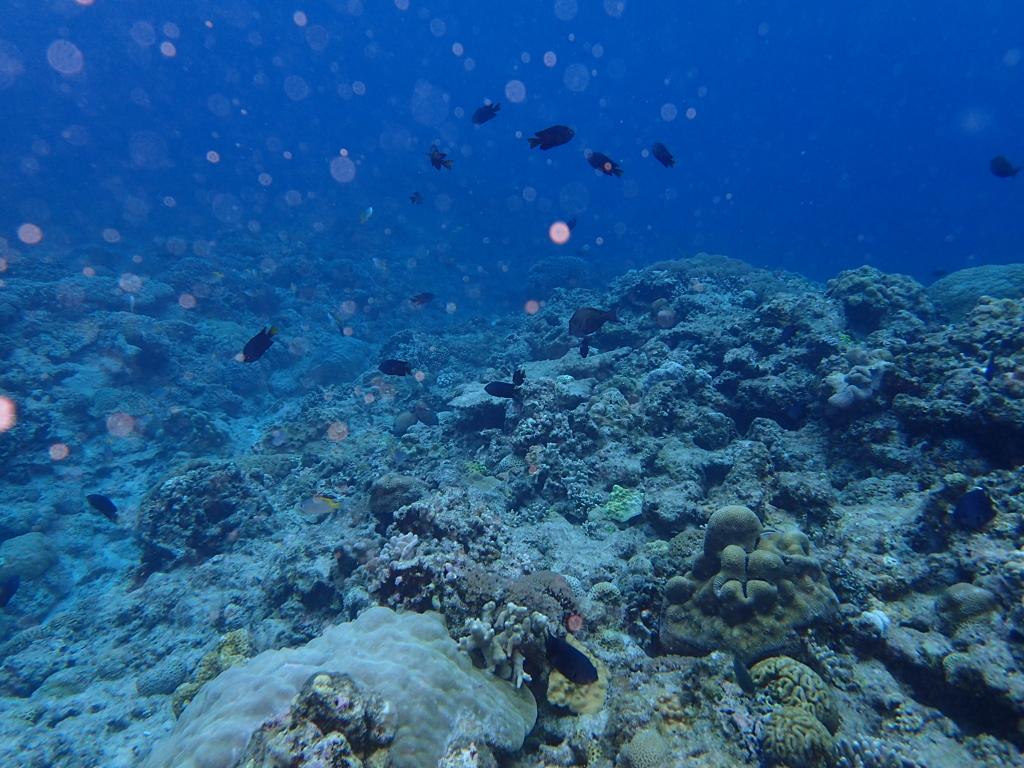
<point>232,649</point>
<point>795,738</point>
<point>791,684</point>
<point>581,699</point>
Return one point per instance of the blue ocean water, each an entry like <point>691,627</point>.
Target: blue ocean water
<point>807,138</point>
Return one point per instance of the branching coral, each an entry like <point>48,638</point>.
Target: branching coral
<point>500,639</point>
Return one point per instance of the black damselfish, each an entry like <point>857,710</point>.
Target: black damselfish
<point>395,367</point>
<point>485,113</point>
<point>555,136</point>
<point>662,155</point>
<point>437,158</point>
<point>974,510</point>
<point>571,662</point>
<point>604,164</point>
<point>8,588</point>
<point>103,505</point>
<point>502,389</point>
<point>585,346</point>
<point>1002,168</point>
<point>258,344</point>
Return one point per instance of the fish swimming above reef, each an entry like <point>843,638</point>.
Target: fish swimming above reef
<point>437,158</point>
<point>420,299</point>
<point>587,320</point>
<point>1002,167</point>
<point>974,510</point>
<point>555,136</point>
<point>316,507</point>
<point>402,422</point>
<point>103,505</point>
<point>572,663</point>
<point>366,214</point>
<point>425,415</point>
<point>395,367</point>
<point>258,344</point>
<point>662,155</point>
<point>8,588</point>
<point>585,346</point>
<point>416,198</point>
<point>485,113</point>
<point>604,164</point>
<point>504,389</point>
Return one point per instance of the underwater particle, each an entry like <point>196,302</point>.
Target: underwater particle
<point>576,78</point>
<point>300,19</point>
<point>64,56</point>
<point>343,170</point>
<point>167,49</point>
<point>604,164</point>
<point>120,424</point>
<point>587,320</point>
<point>187,301</point>
<point>668,112</point>
<point>532,307</point>
<point>317,507</point>
<point>337,432</point>
<point>258,344</point>
<point>130,283</point>
<point>392,367</point>
<point>662,155</point>
<point>450,307</point>
<point>485,113</point>
<point>1002,168</point>
<point>515,91</point>
<point>555,136</point>
<point>574,622</point>
<point>30,234</point>
<point>559,233</point>
<point>8,414</point>
<point>59,451</point>
<point>103,505</point>
<point>437,158</point>
<point>974,510</point>
<point>8,588</point>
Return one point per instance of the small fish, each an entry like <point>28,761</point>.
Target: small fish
<point>555,136</point>
<point>258,344</point>
<point>316,507</point>
<point>402,422</point>
<point>366,214</point>
<point>585,346</point>
<point>421,298</point>
<point>584,250</point>
<point>571,223</point>
<point>8,588</point>
<point>991,369</point>
<point>519,377</point>
<point>662,155</point>
<point>502,389</point>
<point>103,505</point>
<point>425,415</point>
<point>940,273</point>
<point>743,678</point>
<point>604,164</point>
<point>1002,168</point>
<point>974,510</point>
<point>569,661</point>
<point>380,263</point>
<point>334,321</point>
<point>395,367</point>
<point>587,320</point>
<point>485,113</point>
<point>416,198</point>
<point>787,333</point>
<point>437,158</point>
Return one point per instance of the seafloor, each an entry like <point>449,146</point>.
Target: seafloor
<point>833,612</point>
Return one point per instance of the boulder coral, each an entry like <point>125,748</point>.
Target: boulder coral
<point>746,592</point>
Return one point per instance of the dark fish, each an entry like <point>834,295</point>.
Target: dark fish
<point>8,588</point>
<point>991,369</point>
<point>585,346</point>
<point>571,223</point>
<point>437,158</point>
<point>743,678</point>
<point>421,298</point>
<point>258,344</point>
<point>502,389</point>
<point>587,320</point>
<point>662,155</point>
<point>103,505</point>
<point>555,136</point>
<point>402,422</point>
<point>974,510</point>
<point>940,273</point>
<point>604,164</point>
<point>395,367</point>
<point>787,333</point>
<point>416,198</point>
<point>570,661</point>
<point>425,415</point>
<point>485,113</point>
<point>1002,168</point>
<point>519,377</point>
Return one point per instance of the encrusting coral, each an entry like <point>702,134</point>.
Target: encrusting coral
<point>580,699</point>
<point>746,592</point>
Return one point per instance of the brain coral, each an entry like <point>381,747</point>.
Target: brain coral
<point>795,738</point>
<point>746,592</point>
<point>962,602</point>
<point>408,659</point>
<point>792,684</point>
<point>647,749</point>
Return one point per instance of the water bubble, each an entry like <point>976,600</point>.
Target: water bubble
<point>691,113</point>
<point>437,28</point>
<point>529,194</point>
<point>668,112</point>
<point>219,104</point>
<point>457,49</point>
<point>148,150</point>
<point>469,64</point>
<point>11,65</point>
<point>597,50</point>
<point>64,56</point>
<point>515,91</point>
<point>296,88</point>
<point>550,59</point>
<point>358,88</point>
<point>111,235</point>
<point>143,33</point>
<point>176,245</point>
<point>167,49</point>
<point>227,209</point>
<point>614,8</point>
<point>355,7</point>
<point>532,307</point>
<point>565,10</point>
<point>293,197</point>
<point>120,424</point>
<point>213,157</point>
<point>318,37</point>
<point>574,198</point>
<point>300,19</point>
<point>187,301</point>
<point>265,179</point>
<point>171,30</point>
<point>343,170</point>
<point>429,105</point>
<point>30,234</point>
<point>59,451</point>
<point>576,78</point>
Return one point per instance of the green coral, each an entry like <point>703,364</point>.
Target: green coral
<point>746,592</point>
<point>623,505</point>
<point>475,466</point>
<point>963,602</point>
<point>232,649</point>
<point>795,738</point>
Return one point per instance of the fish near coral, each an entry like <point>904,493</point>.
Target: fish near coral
<point>974,510</point>
<point>103,505</point>
<point>569,661</point>
<point>402,422</point>
<point>395,367</point>
<point>258,344</point>
<point>587,320</point>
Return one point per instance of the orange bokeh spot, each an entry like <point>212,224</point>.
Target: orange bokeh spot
<point>337,432</point>
<point>59,451</point>
<point>213,157</point>
<point>130,283</point>
<point>3,264</point>
<point>187,300</point>
<point>89,272</point>
<point>8,414</point>
<point>368,398</point>
<point>168,49</point>
<point>559,233</point>
<point>120,424</point>
<point>532,307</point>
<point>30,234</point>
<point>420,376</point>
